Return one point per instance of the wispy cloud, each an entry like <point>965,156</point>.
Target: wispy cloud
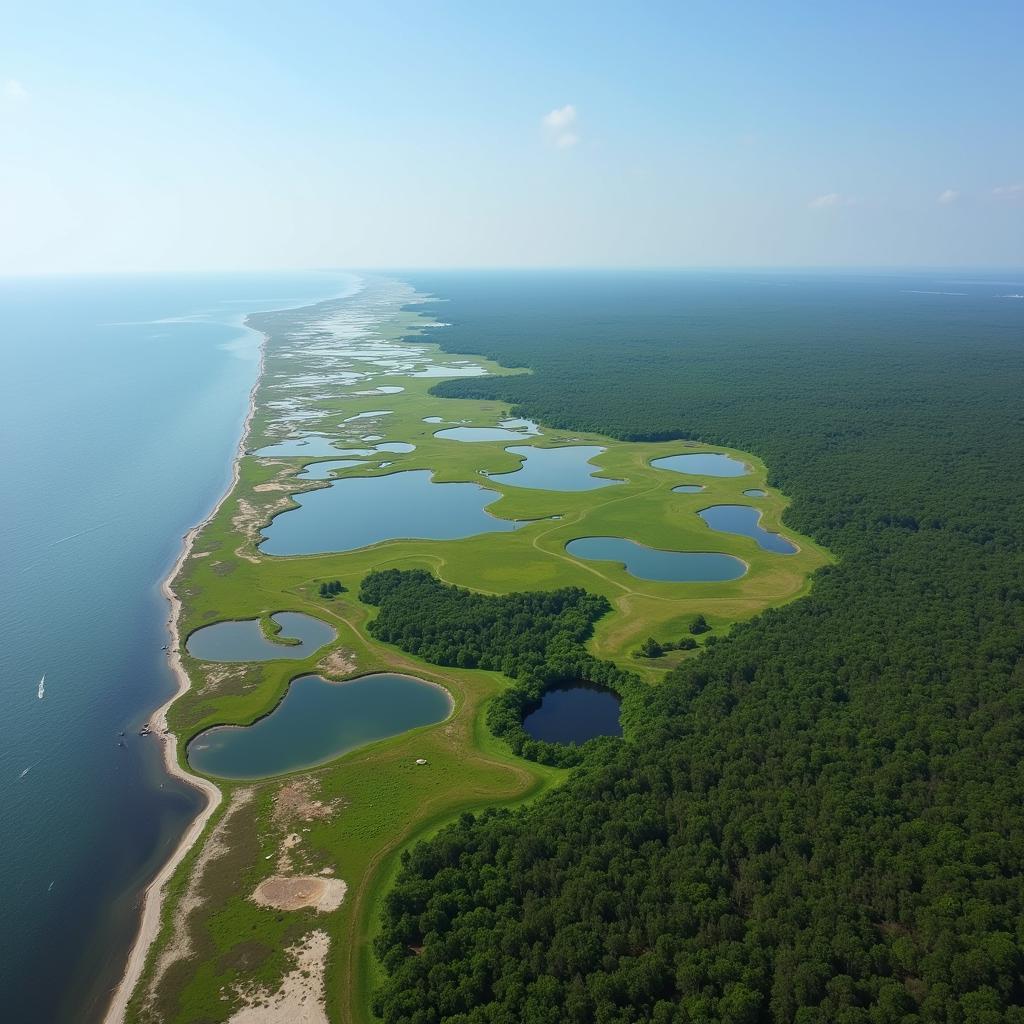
<point>560,126</point>
<point>830,200</point>
<point>948,196</point>
<point>1015,191</point>
<point>12,91</point>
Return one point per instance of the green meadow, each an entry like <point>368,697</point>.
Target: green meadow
<point>217,947</point>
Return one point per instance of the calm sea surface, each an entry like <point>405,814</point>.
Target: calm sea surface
<point>121,404</point>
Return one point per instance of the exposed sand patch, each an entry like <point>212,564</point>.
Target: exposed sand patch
<point>274,487</point>
<point>300,999</point>
<point>216,676</point>
<point>337,663</point>
<point>281,893</point>
<point>295,800</point>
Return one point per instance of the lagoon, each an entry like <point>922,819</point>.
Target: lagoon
<point>703,464</point>
<point>746,521</point>
<point>244,640</point>
<point>654,564</point>
<point>317,721</point>
<point>356,511</point>
<point>555,469</point>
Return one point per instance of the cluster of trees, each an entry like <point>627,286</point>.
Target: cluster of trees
<point>331,589</point>
<point>536,639</point>
<point>652,648</point>
<point>821,819</point>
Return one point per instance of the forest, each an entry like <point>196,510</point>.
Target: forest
<point>822,817</point>
<point>536,639</point>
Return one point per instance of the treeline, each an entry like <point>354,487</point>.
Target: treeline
<point>820,819</point>
<point>536,639</point>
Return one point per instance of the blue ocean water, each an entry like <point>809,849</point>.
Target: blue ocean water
<point>121,403</point>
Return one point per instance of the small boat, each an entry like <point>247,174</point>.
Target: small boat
<point>42,687</point>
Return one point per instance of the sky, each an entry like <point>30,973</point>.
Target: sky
<point>188,136</point>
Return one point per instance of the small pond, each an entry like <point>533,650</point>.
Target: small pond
<point>243,640</point>
<point>654,564</point>
<point>356,511</point>
<point>306,446</point>
<point>755,492</point>
<point>323,470</point>
<point>575,714</point>
<point>703,464</point>
<point>319,720</point>
<point>688,489</point>
<point>746,521</point>
<point>400,447</point>
<point>479,434</point>
<point>450,371</point>
<point>555,469</point>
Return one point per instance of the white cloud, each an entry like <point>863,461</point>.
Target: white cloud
<point>948,196</point>
<point>560,124</point>
<point>1015,191</point>
<point>830,200</point>
<point>13,91</point>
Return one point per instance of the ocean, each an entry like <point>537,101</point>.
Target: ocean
<point>122,399</point>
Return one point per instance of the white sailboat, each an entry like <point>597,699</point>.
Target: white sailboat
<point>42,687</point>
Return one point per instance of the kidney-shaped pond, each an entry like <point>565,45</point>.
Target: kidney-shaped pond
<point>655,564</point>
<point>703,464</point>
<point>555,469</point>
<point>243,640</point>
<point>358,511</point>
<point>479,434</point>
<point>575,714</point>
<point>319,720</point>
<point>746,521</point>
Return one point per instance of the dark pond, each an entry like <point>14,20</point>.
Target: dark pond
<point>243,640</point>
<point>755,492</point>
<point>358,511</point>
<point>555,469</point>
<point>703,464</point>
<point>688,489</point>
<point>655,564</point>
<point>319,720</point>
<point>575,714</point>
<point>744,520</point>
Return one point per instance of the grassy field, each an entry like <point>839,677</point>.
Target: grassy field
<point>354,815</point>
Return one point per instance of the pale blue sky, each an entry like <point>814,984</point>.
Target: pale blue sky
<point>232,135</point>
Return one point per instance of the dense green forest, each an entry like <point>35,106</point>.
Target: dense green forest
<point>535,639</point>
<point>822,817</point>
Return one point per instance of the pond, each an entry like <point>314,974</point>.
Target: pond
<point>688,489</point>
<point>746,521</point>
<point>356,511</point>
<point>703,464</point>
<point>243,640</point>
<point>755,492</point>
<point>654,564</point>
<point>479,434</point>
<point>317,721</point>
<point>575,714</point>
<point>324,470</point>
<point>313,447</point>
<point>555,469</point>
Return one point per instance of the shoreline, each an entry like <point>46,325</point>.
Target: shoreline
<point>153,897</point>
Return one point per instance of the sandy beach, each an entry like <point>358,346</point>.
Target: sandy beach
<point>152,903</point>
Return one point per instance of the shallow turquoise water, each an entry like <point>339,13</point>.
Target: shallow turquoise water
<point>355,512</point>
<point>654,564</point>
<point>746,521</point>
<point>121,403</point>
<point>243,640</point>
<point>319,720</point>
<point>555,469</point>
<point>703,464</point>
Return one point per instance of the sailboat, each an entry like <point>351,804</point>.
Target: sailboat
<point>42,687</point>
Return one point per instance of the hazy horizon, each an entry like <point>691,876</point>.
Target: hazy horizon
<point>456,137</point>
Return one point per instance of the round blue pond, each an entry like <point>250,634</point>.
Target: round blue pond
<point>703,464</point>
<point>575,714</point>
<point>317,721</point>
